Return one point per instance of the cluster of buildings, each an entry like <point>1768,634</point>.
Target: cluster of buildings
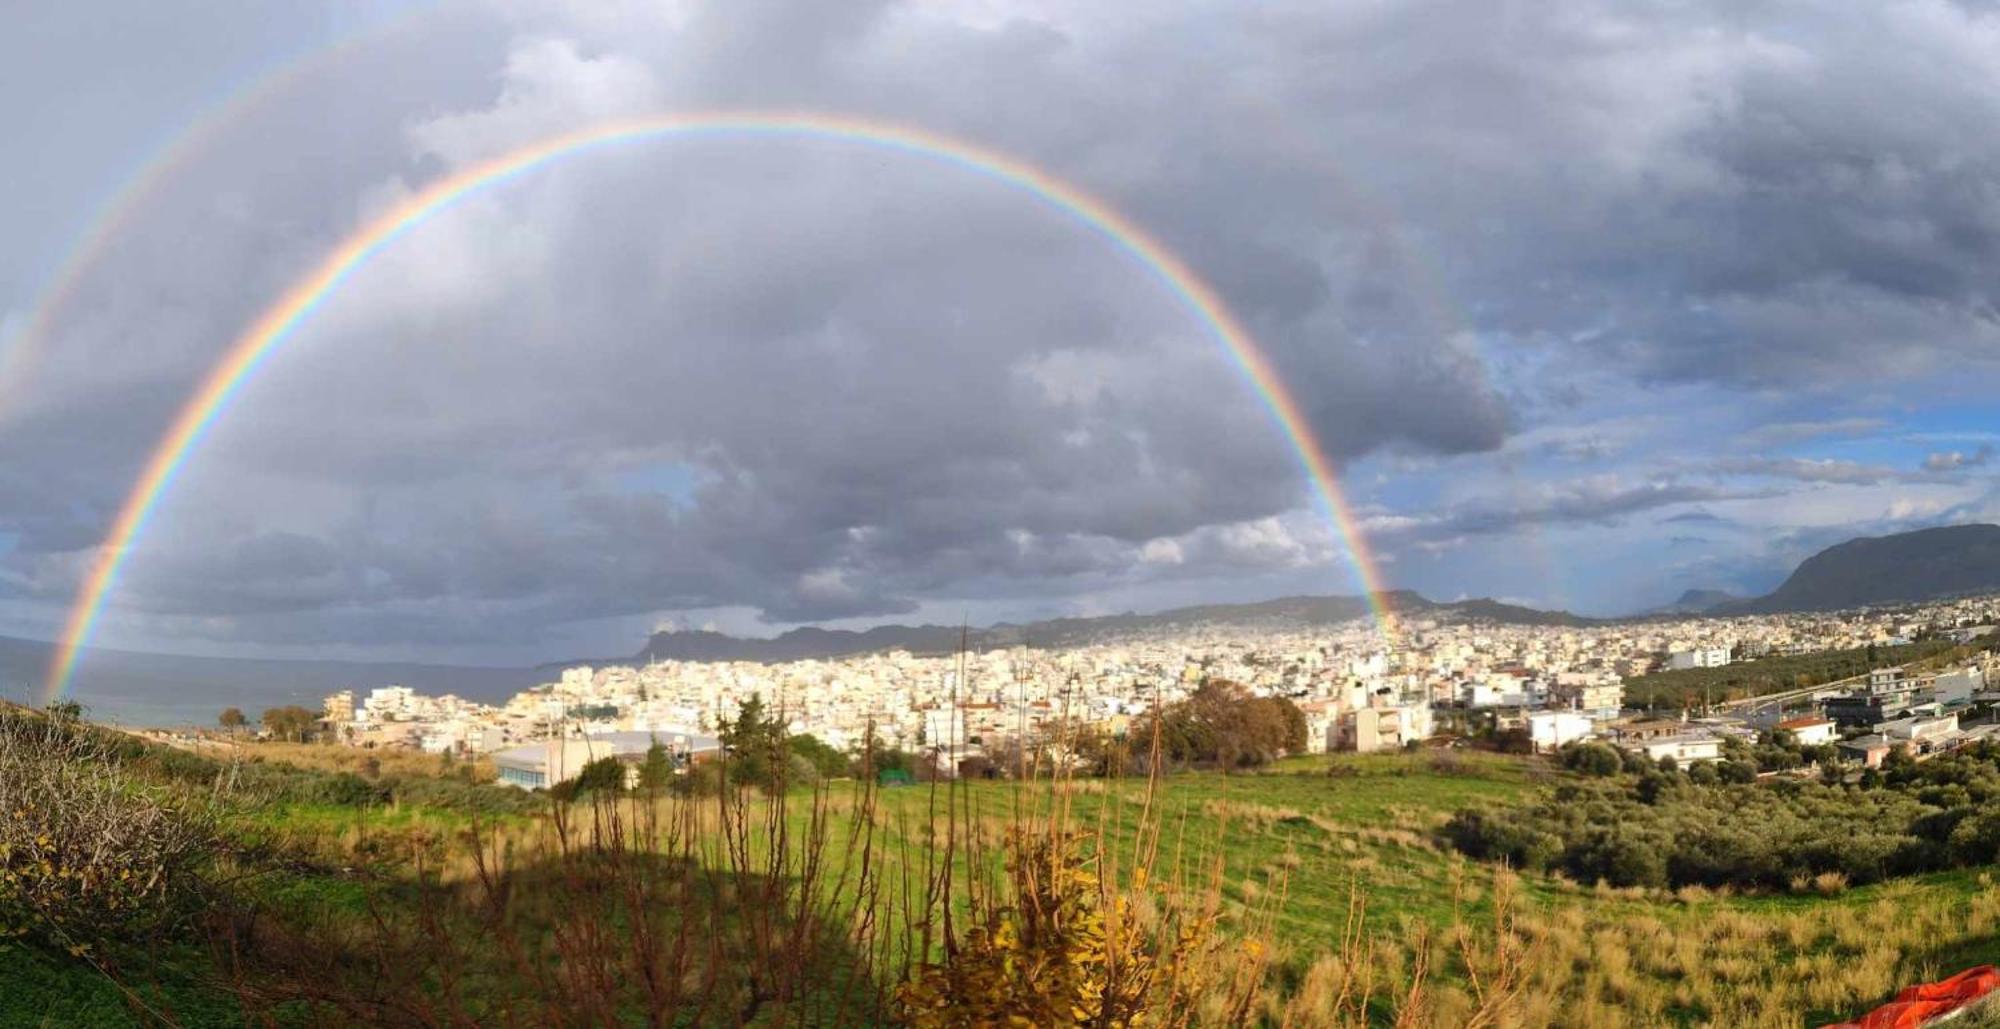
<point>1360,690</point>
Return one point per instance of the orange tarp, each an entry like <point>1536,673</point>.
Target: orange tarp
<point>1919,1004</point>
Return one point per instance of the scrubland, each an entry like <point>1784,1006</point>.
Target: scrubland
<point>1316,892</point>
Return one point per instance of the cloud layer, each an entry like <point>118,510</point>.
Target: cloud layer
<point>1529,270</point>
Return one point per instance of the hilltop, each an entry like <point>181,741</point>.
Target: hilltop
<point>1927,564</point>
<point>1694,602</point>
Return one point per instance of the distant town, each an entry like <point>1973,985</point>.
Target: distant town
<point>1437,681</point>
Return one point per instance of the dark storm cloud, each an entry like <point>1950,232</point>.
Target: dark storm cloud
<point>877,383</point>
<point>1603,500</point>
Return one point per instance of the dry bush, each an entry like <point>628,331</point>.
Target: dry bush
<point>1076,932</point>
<point>393,762</point>
<point>89,857</point>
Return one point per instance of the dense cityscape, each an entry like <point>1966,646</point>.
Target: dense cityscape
<point>1359,689</point>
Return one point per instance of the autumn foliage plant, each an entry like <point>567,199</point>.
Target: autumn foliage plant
<point>90,856</point>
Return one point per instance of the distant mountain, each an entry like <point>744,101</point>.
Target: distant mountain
<point>1908,567</point>
<point>1695,602</point>
<point>811,642</point>
<point>163,689</point>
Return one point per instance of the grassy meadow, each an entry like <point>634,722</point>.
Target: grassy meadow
<point>1314,892</point>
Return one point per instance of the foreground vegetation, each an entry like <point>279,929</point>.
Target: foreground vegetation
<point>1310,892</point>
<point>1632,824</point>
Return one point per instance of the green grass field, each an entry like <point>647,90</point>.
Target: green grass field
<point>1298,842</point>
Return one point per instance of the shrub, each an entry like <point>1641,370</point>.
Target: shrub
<point>1592,758</point>
<point>1976,840</point>
<point>604,775</point>
<point>87,854</point>
<point>1714,825</point>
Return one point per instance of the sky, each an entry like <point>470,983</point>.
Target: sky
<point>1590,302</point>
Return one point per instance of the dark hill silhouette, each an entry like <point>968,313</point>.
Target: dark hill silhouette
<point>1694,602</point>
<point>1907,567</point>
<point>1302,611</point>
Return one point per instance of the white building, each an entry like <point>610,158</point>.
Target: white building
<point>542,765</point>
<point>1683,748</point>
<point>1699,657</point>
<point>1810,731</point>
<point>1955,689</point>
<point>1552,729</point>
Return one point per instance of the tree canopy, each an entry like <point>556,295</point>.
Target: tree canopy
<point>1223,725</point>
<point>290,722</point>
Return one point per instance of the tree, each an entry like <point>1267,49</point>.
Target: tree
<point>1222,724</point>
<point>1592,758</point>
<point>756,746</point>
<point>827,762</point>
<point>1294,720</point>
<point>601,775</point>
<point>290,722</point>
<point>232,719</point>
<point>658,769</point>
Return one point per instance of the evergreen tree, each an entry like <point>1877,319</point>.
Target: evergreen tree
<point>658,769</point>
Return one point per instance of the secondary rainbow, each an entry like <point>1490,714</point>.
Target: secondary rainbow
<point>277,323</point>
<point>22,352</point>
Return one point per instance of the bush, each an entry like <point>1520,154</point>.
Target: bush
<point>1976,840</point>
<point>1592,758</point>
<point>604,775</point>
<point>1715,825</point>
<point>87,853</point>
<point>828,762</point>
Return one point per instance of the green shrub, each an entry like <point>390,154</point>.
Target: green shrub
<point>1714,825</point>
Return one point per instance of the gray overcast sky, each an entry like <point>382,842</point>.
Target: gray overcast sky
<point>1593,302</point>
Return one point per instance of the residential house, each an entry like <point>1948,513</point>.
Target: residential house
<point>1551,729</point>
<point>1810,731</point>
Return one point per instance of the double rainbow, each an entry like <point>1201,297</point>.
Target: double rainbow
<point>277,323</point>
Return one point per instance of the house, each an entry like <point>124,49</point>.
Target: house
<point>1386,727</point>
<point>1870,750</point>
<point>1810,731</point>
<point>1322,725</point>
<point>541,765</point>
<point>1925,735</point>
<point>1649,729</point>
<point>1682,749</point>
<point>1886,680</point>
<point>1956,689</point>
<point>1861,711</point>
<point>1551,729</point>
<point>1504,694</point>
<point>1599,697</point>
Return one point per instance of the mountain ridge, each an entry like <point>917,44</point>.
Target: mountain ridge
<point>811,642</point>
<point>1900,568</point>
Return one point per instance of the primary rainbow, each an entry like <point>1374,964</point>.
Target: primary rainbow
<point>275,325</point>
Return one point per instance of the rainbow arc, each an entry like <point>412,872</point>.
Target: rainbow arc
<point>279,322</point>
